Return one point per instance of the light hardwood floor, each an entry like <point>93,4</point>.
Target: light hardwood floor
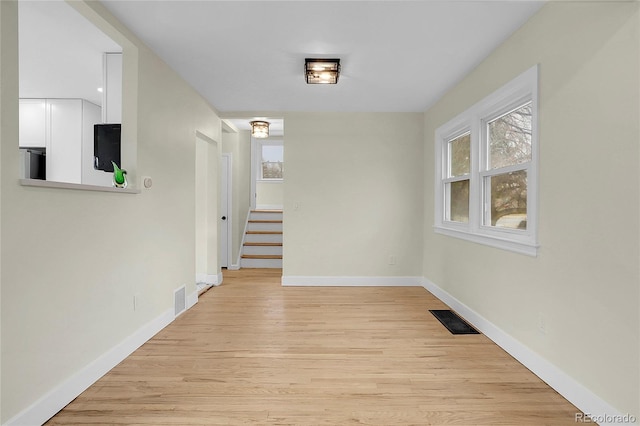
<point>253,352</point>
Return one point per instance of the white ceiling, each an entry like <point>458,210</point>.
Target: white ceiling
<point>245,56</point>
<point>249,55</point>
<point>60,52</point>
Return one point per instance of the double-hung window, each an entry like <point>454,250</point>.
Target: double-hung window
<point>486,169</point>
<point>271,160</point>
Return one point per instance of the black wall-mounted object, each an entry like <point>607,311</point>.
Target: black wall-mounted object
<point>35,163</point>
<point>106,146</point>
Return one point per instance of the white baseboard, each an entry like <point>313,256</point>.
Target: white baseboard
<point>328,281</point>
<point>192,299</point>
<point>210,279</point>
<point>565,385</point>
<point>233,267</point>
<point>56,399</point>
<point>216,279</point>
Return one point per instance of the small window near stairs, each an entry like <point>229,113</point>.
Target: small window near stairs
<point>272,161</point>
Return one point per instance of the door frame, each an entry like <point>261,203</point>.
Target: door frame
<point>254,176</point>
<point>207,210</point>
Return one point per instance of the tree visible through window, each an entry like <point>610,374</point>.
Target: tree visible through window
<point>272,161</point>
<point>458,181</point>
<point>487,167</point>
<point>509,143</point>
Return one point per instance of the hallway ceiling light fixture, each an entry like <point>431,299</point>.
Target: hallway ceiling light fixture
<point>260,129</point>
<point>321,71</point>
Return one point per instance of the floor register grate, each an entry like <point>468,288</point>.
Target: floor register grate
<point>453,322</point>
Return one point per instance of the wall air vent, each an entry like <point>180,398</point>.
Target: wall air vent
<point>180,300</point>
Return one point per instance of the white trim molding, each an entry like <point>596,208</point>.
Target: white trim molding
<point>236,266</point>
<point>192,299</point>
<point>473,123</point>
<point>492,241</point>
<point>330,281</point>
<point>565,385</point>
<point>271,181</point>
<point>57,398</point>
<point>79,186</point>
<point>209,279</point>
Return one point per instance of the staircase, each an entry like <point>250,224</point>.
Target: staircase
<point>263,240</point>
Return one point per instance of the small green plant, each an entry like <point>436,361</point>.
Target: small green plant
<point>119,176</point>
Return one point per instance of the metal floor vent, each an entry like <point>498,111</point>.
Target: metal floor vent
<point>453,322</point>
<point>180,300</point>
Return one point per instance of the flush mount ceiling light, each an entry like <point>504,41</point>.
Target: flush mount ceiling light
<point>260,129</point>
<point>321,71</point>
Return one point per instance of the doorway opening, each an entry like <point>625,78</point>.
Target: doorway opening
<point>207,169</point>
<point>257,169</point>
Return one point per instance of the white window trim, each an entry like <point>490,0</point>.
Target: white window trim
<point>518,91</point>
<point>260,144</point>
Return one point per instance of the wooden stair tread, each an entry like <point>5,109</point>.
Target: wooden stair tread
<point>264,244</point>
<point>261,256</point>
<point>264,232</point>
<point>266,211</point>
<point>265,221</point>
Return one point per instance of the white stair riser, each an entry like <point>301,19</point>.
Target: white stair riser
<point>253,226</point>
<point>262,250</point>
<point>263,238</point>
<point>261,263</point>
<point>265,216</point>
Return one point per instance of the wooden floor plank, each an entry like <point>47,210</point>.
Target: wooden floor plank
<point>254,352</point>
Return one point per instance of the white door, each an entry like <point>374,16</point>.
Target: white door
<point>225,219</point>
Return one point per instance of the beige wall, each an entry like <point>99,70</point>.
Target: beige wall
<point>356,179</point>
<point>73,260</point>
<point>239,145</point>
<point>584,281</point>
<point>269,194</point>
<point>7,132</point>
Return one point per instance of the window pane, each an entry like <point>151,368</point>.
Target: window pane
<point>271,170</point>
<point>272,161</point>
<point>458,193</point>
<point>510,138</point>
<point>459,155</point>
<point>508,200</point>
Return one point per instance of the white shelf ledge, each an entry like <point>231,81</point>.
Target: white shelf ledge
<point>77,186</point>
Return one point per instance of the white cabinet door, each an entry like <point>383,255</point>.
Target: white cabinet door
<point>91,115</point>
<point>33,123</point>
<point>112,94</point>
<point>64,146</point>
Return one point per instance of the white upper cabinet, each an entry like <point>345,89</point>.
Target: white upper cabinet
<point>112,91</point>
<point>64,147</point>
<point>65,128</point>
<point>33,123</point>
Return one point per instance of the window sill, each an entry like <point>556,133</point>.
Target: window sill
<point>504,244</point>
<point>77,186</point>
